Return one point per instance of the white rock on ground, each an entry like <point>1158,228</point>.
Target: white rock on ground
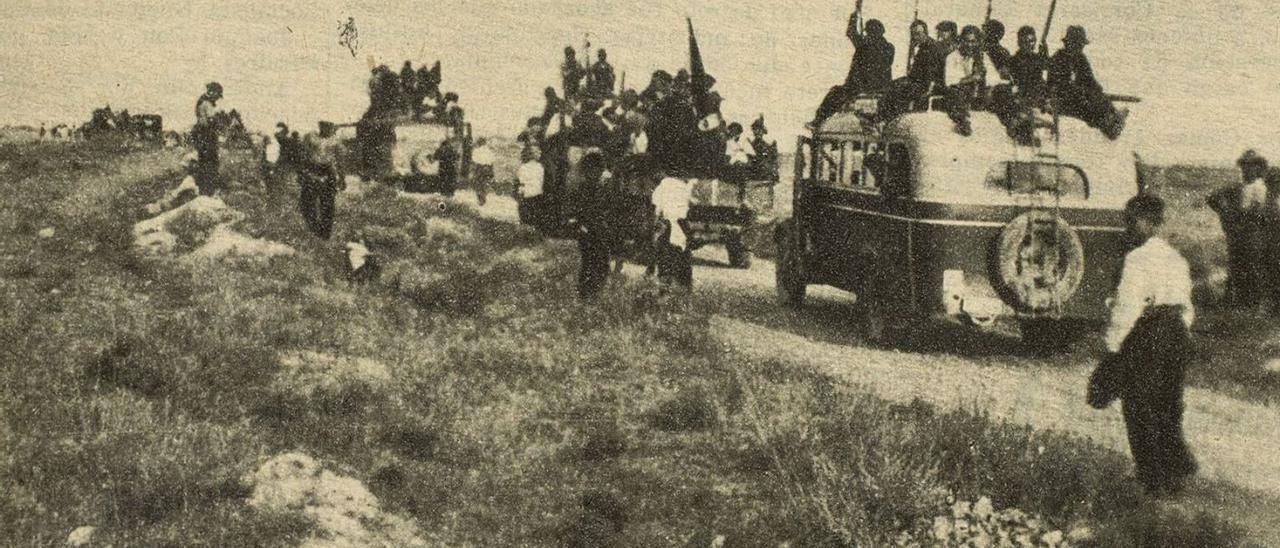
<point>224,242</point>
<point>81,536</point>
<point>344,511</point>
<point>1272,366</point>
<point>46,233</point>
<point>305,373</point>
<point>153,236</point>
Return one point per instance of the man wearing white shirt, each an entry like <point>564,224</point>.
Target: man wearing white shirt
<point>965,78</point>
<point>671,205</point>
<point>482,159</point>
<point>530,178</point>
<point>1149,344</point>
<point>737,147</point>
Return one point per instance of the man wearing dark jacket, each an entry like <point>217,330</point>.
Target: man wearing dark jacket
<point>871,69</point>
<point>1077,92</point>
<point>595,237</point>
<point>1026,68</point>
<point>927,74</point>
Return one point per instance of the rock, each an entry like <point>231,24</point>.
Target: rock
<point>81,536</point>
<point>156,235</point>
<point>941,529</point>
<point>343,509</point>
<point>307,374</point>
<point>983,509</point>
<point>46,233</point>
<point>1080,535</point>
<point>1052,538</point>
<point>224,242</point>
<point>1272,366</point>
<point>960,509</point>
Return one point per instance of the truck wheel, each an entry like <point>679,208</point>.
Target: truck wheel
<point>739,255</point>
<point>790,283</point>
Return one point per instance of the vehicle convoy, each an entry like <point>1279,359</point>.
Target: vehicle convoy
<point>921,222</point>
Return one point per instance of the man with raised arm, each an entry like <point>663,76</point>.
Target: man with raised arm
<point>871,69</point>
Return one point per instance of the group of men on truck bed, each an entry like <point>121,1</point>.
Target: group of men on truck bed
<point>972,70</point>
<point>675,120</point>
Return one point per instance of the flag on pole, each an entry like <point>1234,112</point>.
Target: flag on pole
<point>697,73</point>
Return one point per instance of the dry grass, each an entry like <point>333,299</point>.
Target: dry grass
<point>140,391</point>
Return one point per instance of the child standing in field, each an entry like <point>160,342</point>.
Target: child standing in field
<point>1149,343</point>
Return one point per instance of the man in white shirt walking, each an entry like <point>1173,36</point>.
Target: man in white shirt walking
<point>1148,343</point>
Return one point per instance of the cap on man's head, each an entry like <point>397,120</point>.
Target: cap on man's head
<point>214,88</point>
<point>568,50</point>
<point>1251,158</point>
<point>1076,35</point>
<point>451,96</point>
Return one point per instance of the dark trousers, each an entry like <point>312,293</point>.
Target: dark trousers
<point>1156,355</point>
<point>1089,105</point>
<point>316,201</point>
<point>835,99</point>
<point>594,271</point>
<point>960,100</point>
<point>899,96</point>
<point>481,180</point>
<point>674,264</point>
<point>207,165</point>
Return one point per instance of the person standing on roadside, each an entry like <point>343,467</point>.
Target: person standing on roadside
<point>594,231</point>
<point>671,204</point>
<point>482,169</point>
<point>1148,344</point>
<point>1240,208</point>
<point>204,135</point>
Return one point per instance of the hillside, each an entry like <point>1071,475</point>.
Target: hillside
<point>465,398</point>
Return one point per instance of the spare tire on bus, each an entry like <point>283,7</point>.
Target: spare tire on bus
<point>1039,262</point>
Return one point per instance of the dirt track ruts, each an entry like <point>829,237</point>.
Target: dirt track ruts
<point>1233,440</point>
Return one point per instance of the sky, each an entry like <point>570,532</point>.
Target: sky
<point>1208,72</point>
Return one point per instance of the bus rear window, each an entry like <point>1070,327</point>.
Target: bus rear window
<point>1033,177</point>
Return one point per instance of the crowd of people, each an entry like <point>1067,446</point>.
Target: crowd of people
<point>970,69</point>
<point>658,137</point>
<point>412,92</point>
<point>675,120</point>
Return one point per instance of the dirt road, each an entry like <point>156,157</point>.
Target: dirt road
<point>1235,441</point>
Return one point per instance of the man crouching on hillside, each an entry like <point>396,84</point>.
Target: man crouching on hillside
<point>1149,344</point>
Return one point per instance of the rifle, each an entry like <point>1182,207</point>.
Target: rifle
<point>586,59</point>
<point>1044,36</point>
<point>857,16</point>
<point>988,18</point>
<point>911,42</point>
